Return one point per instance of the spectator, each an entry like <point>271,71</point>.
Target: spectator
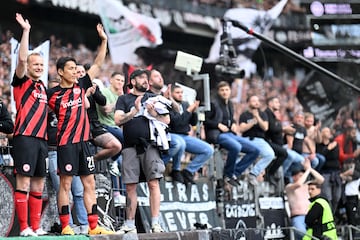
<point>220,128</point>
<point>109,145</point>
<point>30,148</point>
<point>106,113</point>
<point>180,125</point>
<point>276,140</point>
<point>347,145</point>
<point>106,118</point>
<point>69,103</point>
<point>253,125</point>
<point>314,136</point>
<point>332,186</point>
<point>6,123</point>
<point>297,194</point>
<point>351,177</point>
<point>6,127</point>
<point>348,158</point>
<point>296,140</point>
<point>274,136</point>
<point>177,143</point>
<point>138,150</point>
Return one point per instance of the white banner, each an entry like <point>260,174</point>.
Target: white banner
<point>127,31</point>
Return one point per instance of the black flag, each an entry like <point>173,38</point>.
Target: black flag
<point>323,96</point>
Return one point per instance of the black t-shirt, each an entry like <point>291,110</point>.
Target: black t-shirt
<point>52,128</point>
<point>137,128</point>
<point>299,136</point>
<point>256,130</point>
<point>274,133</point>
<point>332,157</point>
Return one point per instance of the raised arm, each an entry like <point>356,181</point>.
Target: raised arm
<point>24,46</point>
<point>99,60</point>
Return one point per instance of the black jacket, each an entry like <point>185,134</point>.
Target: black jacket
<point>220,113</point>
<point>6,123</point>
<point>180,123</point>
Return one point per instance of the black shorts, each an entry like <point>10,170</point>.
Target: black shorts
<point>75,159</point>
<point>97,129</point>
<point>30,155</point>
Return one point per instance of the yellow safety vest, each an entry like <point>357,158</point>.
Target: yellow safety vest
<point>328,224</point>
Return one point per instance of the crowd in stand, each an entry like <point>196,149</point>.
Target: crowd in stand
<point>261,119</point>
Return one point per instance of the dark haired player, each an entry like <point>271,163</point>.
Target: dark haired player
<point>69,103</point>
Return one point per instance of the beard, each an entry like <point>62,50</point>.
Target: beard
<point>141,88</point>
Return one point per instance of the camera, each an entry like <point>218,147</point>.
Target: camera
<point>227,66</point>
<point>229,71</point>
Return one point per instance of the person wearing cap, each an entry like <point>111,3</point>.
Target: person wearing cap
<point>138,149</point>
<point>298,197</point>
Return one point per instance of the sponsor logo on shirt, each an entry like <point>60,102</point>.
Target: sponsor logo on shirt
<point>72,103</point>
<point>42,97</point>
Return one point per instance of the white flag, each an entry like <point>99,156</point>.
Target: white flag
<point>258,20</point>
<point>127,30</point>
<point>43,49</point>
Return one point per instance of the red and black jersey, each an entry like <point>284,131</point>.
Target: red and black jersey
<point>69,107</point>
<point>31,107</point>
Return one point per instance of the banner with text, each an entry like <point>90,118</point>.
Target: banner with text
<point>181,206</point>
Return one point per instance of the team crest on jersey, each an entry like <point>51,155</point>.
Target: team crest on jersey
<point>77,90</point>
<point>26,167</point>
<point>68,167</point>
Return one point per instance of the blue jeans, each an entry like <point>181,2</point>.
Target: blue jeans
<point>77,190</point>
<point>298,222</point>
<point>293,159</point>
<point>177,145</point>
<point>234,145</point>
<point>117,185</point>
<point>202,150</point>
<point>118,133</point>
<point>266,155</point>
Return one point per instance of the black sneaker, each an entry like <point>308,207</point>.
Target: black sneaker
<point>177,176</point>
<point>188,177</point>
<point>232,181</point>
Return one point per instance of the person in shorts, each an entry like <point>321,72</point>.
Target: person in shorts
<point>141,159</point>
<point>30,135</point>
<point>69,103</point>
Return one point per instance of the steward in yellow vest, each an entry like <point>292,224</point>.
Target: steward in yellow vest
<point>319,219</point>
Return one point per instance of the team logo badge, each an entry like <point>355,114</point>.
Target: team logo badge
<point>26,167</point>
<point>77,90</point>
<point>68,167</point>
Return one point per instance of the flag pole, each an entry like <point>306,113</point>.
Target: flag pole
<point>293,54</point>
